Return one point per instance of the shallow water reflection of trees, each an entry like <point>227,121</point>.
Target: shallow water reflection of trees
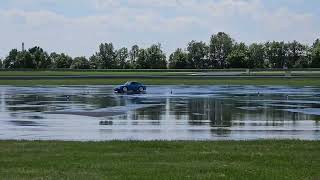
<point>202,110</point>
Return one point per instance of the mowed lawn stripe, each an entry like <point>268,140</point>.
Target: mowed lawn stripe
<point>271,159</point>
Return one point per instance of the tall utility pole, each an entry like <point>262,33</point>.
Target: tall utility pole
<point>22,46</point>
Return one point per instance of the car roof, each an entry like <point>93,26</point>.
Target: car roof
<point>129,82</point>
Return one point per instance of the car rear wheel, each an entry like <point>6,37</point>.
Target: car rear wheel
<point>140,89</point>
<point>125,89</point>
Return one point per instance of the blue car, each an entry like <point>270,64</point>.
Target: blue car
<point>131,87</point>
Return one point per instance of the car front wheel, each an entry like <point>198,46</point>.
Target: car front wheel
<point>125,89</point>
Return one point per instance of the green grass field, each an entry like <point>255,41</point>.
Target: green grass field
<point>283,73</point>
<point>160,160</point>
<point>170,78</point>
<point>174,81</point>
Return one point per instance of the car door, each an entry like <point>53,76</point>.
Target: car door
<point>134,86</point>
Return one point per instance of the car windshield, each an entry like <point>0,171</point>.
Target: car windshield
<point>127,83</point>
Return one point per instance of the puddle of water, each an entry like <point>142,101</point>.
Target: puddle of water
<point>312,111</point>
<point>188,113</point>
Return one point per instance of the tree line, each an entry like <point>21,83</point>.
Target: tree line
<point>220,53</point>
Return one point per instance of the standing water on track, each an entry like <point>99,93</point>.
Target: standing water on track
<point>163,113</point>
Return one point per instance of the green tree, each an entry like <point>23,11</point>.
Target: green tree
<point>142,59</point>
<point>80,63</point>
<point>256,56</point>
<point>315,55</point>
<point>104,58</point>
<point>122,58</point>
<point>134,52</point>
<point>17,60</point>
<point>297,55</point>
<point>94,62</point>
<point>156,59</point>
<point>40,58</point>
<point>219,48</point>
<point>26,60</point>
<point>238,58</point>
<point>178,60</point>
<point>197,55</point>
<point>60,60</point>
<point>275,53</point>
<point>316,43</point>
<point>10,61</point>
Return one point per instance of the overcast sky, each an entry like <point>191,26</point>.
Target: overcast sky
<point>77,27</point>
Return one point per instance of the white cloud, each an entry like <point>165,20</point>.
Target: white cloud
<point>171,22</point>
<point>137,3</point>
<point>106,4</point>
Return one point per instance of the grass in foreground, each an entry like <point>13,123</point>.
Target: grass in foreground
<point>160,160</point>
<point>170,81</point>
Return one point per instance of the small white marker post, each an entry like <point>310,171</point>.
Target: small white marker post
<point>248,72</point>
<point>288,73</point>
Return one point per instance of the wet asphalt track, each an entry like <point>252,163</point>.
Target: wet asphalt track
<point>145,77</point>
<point>188,113</point>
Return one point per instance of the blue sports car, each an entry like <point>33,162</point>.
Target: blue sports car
<point>131,87</point>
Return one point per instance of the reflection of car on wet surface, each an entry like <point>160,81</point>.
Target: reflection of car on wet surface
<point>106,123</point>
<point>131,87</point>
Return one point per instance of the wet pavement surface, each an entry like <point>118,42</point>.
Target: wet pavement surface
<point>163,113</point>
